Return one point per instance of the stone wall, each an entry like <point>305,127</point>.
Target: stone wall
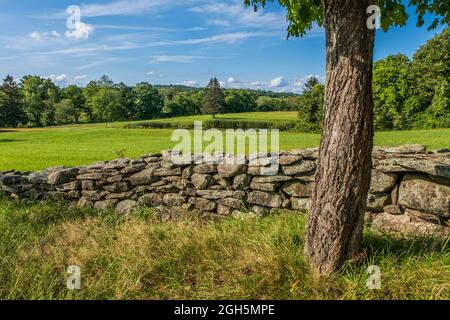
<point>409,194</point>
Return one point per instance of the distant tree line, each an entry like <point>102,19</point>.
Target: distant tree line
<point>408,93</point>
<point>38,102</point>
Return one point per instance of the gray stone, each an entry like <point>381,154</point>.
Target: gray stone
<point>133,168</point>
<point>215,194</point>
<point>272,179</point>
<point>263,171</point>
<point>377,201</point>
<point>92,176</point>
<point>203,204</point>
<point>265,186</point>
<point>405,149</point>
<point>300,203</point>
<point>161,172</point>
<point>230,202</point>
<point>241,181</point>
<point>117,164</point>
<point>298,189</point>
<point>105,204</point>
<point>304,166</point>
<point>114,179</point>
<point>205,168</point>
<point>261,211</point>
<point>120,196</point>
<point>266,199</point>
<point>289,159</point>
<point>187,172</point>
<point>404,226</point>
<point>434,165</point>
<point>306,153</point>
<point>173,199</point>
<point>88,185</point>
<point>382,182</point>
<point>151,199</point>
<point>144,177</point>
<point>10,179</point>
<point>420,193</point>
<point>231,170</point>
<point>239,194</point>
<point>117,187</point>
<point>201,181</point>
<point>93,195</point>
<point>126,207</point>
<point>84,203</point>
<point>74,185</point>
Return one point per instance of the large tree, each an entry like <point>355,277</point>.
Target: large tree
<point>335,221</point>
<point>213,98</point>
<point>11,108</point>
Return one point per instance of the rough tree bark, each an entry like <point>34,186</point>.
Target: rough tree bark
<point>335,222</point>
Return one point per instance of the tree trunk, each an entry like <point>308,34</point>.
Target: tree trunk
<point>335,223</point>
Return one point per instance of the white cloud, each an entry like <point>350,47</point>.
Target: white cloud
<point>167,58</point>
<point>150,73</point>
<point>219,22</point>
<point>57,78</point>
<point>39,36</point>
<point>126,7</point>
<point>189,83</point>
<point>242,16</point>
<point>80,77</point>
<point>278,82</point>
<point>82,31</point>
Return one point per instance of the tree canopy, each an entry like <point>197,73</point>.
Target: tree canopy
<point>303,14</point>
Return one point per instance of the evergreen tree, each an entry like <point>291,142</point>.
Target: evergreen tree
<point>213,98</point>
<point>11,108</point>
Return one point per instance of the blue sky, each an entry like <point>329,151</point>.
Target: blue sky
<point>170,42</point>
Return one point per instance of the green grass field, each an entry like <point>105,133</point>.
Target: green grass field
<point>138,257</point>
<point>35,149</point>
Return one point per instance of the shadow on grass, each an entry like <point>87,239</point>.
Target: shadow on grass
<point>7,130</point>
<point>9,140</point>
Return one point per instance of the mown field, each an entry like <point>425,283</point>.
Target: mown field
<point>35,149</point>
<point>139,257</point>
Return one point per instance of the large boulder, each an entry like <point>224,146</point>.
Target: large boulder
<point>382,182</point>
<point>420,193</point>
<point>231,170</point>
<point>300,203</point>
<point>298,189</point>
<point>431,164</point>
<point>201,181</point>
<point>144,177</point>
<point>241,181</point>
<point>406,226</point>
<point>303,167</point>
<point>205,168</point>
<point>265,199</point>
